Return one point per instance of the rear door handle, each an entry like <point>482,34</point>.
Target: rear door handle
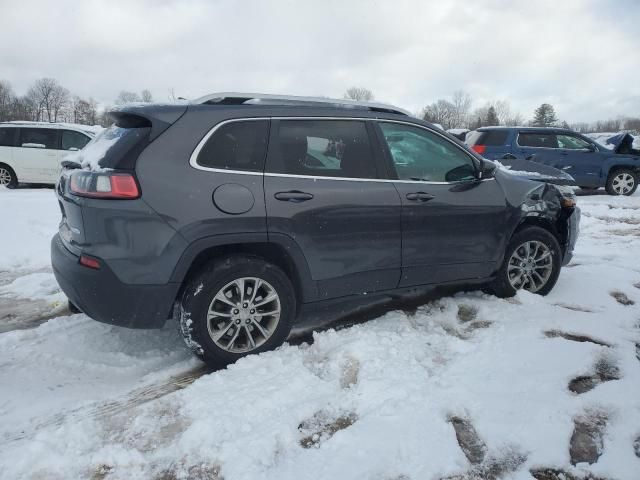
<point>294,196</point>
<point>420,196</point>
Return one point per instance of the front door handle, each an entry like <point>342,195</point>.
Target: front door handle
<point>420,196</point>
<point>294,196</point>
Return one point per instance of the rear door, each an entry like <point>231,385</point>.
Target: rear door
<point>453,225</point>
<point>538,146</point>
<point>323,190</point>
<point>37,154</point>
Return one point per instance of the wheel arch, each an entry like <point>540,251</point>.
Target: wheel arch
<point>277,249</point>
<point>559,227</point>
<point>11,169</point>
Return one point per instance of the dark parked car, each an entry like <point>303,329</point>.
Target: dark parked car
<point>589,163</point>
<point>236,214</point>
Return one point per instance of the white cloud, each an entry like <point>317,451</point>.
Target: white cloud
<point>575,54</point>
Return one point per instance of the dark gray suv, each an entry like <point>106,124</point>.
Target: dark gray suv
<point>238,213</point>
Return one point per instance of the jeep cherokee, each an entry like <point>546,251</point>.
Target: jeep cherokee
<point>236,212</point>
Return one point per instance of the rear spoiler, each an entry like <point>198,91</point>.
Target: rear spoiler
<point>157,117</point>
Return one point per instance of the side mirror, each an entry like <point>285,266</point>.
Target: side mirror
<point>592,148</point>
<point>487,170</point>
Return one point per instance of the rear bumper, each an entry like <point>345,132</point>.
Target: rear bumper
<point>572,235</point>
<point>103,297</point>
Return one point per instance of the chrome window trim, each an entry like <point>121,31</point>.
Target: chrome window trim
<point>194,155</point>
<point>193,160</point>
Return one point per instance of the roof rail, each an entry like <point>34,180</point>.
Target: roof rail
<point>236,98</point>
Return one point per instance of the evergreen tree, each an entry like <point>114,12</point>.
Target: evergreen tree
<point>492,117</point>
<point>544,116</point>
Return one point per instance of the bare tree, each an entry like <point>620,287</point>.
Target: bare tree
<point>7,99</point>
<point>58,104</point>
<point>48,99</point>
<point>461,105</point>
<point>442,112</point>
<point>125,97</point>
<point>145,96</point>
<point>84,111</point>
<point>360,94</point>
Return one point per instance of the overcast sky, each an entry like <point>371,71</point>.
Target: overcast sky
<point>580,55</point>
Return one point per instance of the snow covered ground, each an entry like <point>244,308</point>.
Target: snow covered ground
<point>467,386</point>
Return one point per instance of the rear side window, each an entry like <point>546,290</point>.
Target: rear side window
<point>7,136</point>
<point>73,140</point>
<point>38,138</point>
<point>489,138</point>
<point>538,140</point>
<point>324,148</point>
<point>239,145</point>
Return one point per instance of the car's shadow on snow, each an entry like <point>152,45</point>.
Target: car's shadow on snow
<point>349,313</point>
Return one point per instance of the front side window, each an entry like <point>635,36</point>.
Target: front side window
<point>6,137</point>
<point>73,140</point>
<point>572,143</point>
<point>324,148</point>
<point>238,145</point>
<point>537,140</point>
<point>424,156</point>
<point>38,138</point>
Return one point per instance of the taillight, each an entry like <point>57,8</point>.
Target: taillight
<point>112,185</point>
<point>89,262</point>
<point>479,148</point>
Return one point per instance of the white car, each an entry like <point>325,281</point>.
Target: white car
<point>31,152</point>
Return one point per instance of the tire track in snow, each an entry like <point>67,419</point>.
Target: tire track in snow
<point>99,411</point>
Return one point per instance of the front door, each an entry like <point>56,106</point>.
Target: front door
<point>580,159</point>
<point>453,225</point>
<point>322,190</point>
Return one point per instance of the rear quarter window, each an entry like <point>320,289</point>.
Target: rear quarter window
<point>238,145</point>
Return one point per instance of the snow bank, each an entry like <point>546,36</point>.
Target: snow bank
<point>31,218</point>
<point>80,399</point>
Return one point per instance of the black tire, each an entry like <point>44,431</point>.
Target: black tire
<point>7,170</point>
<point>614,189</point>
<point>501,286</point>
<point>199,294</point>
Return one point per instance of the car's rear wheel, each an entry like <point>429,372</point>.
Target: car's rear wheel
<point>622,182</point>
<point>235,307</point>
<point>532,262</point>
<point>8,177</point>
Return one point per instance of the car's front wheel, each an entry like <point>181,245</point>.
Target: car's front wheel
<point>622,182</point>
<point>234,307</point>
<point>8,177</point>
<point>532,262</point>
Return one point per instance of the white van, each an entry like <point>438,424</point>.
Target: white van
<point>31,152</point>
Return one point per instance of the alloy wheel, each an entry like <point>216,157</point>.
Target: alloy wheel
<point>5,176</point>
<point>243,314</point>
<point>623,183</point>
<point>530,266</point>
